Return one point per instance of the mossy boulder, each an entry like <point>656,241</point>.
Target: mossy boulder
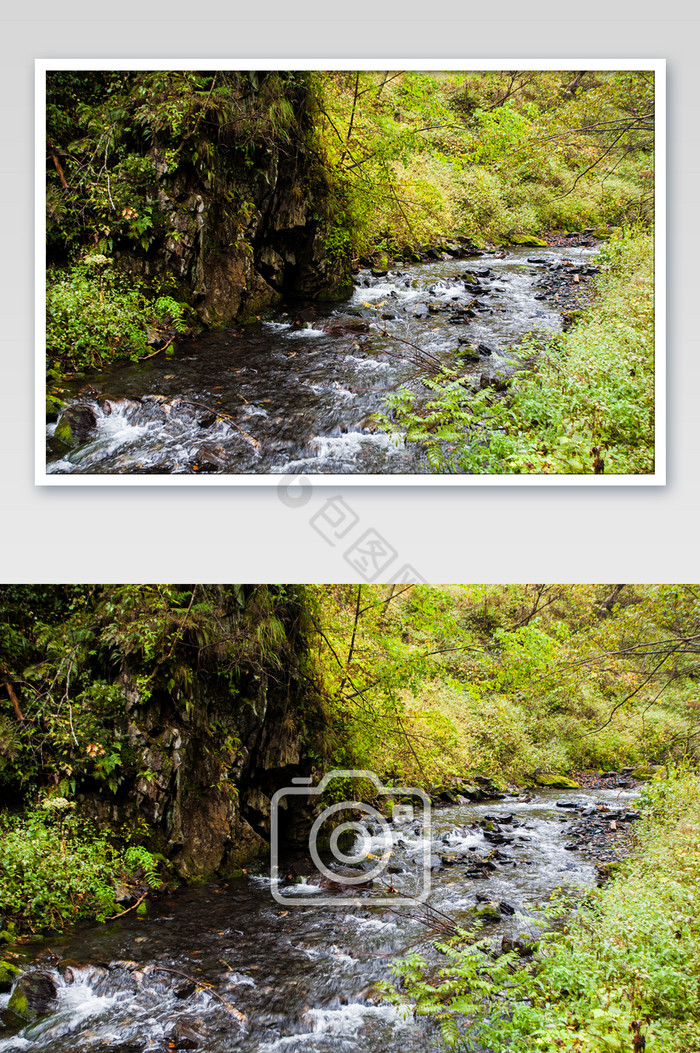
<point>54,406</point>
<point>75,426</point>
<point>557,782</point>
<point>8,974</point>
<point>644,772</point>
<point>603,233</point>
<point>34,996</point>
<point>527,239</point>
<point>487,914</point>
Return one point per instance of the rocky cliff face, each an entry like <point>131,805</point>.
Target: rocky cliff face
<point>242,227</point>
<point>204,765</point>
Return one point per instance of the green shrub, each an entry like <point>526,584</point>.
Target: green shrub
<point>56,869</point>
<point>94,315</point>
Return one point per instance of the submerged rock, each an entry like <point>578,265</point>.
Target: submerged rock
<point>345,325</point>
<point>75,426</point>
<point>34,996</point>
<point>185,1036</point>
<point>209,459</point>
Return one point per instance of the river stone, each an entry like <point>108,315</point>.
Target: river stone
<point>434,861</point>
<point>184,1036</point>
<point>34,996</point>
<point>497,383</point>
<point>8,974</point>
<point>209,459</point>
<point>207,419</point>
<point>345,325</point>
<point>528,240</point>
<point>489,913</point>
<point>523,945</point>
<point>450,859</point>
<point>557,782</point>
<point>75,426</point>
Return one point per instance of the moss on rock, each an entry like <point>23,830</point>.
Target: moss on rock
<point>34,996</point>
<point>488,913</point>
<point>527,239</point>
<point>557,782</point>
<point>645,772</point>
<point>8,974</point>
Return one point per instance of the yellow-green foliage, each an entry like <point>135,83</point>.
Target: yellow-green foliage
<point>416,156</point>
<point>595,387</point>
<point>590,391</point>
<point>508,681</point>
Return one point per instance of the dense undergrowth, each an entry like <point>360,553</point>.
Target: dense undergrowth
<point>623,976</point>
<point>96,315</point>
<point>488,155</point>
<point>586,404</point>
<point>510,682</point>
<point>56,869</point>
<point>70,753</point>
<point>129,155</point>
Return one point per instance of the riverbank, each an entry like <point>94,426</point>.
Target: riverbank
<point>624,974</point>
<point>584,404</point>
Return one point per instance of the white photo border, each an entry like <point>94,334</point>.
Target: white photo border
<point>658,66</point>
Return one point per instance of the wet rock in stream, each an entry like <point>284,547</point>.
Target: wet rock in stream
<point>33,996</point>
<point>76,424</point>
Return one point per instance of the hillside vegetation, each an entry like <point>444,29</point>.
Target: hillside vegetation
<point>508,681</point>
<point>489,155</point>
<point>177,198</point>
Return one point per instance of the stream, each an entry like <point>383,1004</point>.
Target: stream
<point>297,391</point>
<point>301,979</point>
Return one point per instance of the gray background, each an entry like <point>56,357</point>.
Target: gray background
<point>129,533</point>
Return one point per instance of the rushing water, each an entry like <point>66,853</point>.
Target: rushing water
<point>302,977</point>
<point>298,391</point>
